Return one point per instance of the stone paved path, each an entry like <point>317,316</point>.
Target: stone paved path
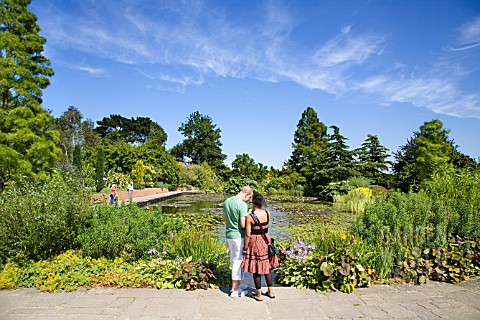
<point>429,301</point>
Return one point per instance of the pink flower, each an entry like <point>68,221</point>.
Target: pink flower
<point>171,235</point>
<point>156,241</point>
<point>164,249</point>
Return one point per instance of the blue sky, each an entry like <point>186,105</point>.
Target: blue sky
<point>369,67</point>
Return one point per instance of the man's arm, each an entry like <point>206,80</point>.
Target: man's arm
<point>242,222</point>
<point>223,216</point>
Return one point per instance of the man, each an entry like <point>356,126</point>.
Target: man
<point>130,190</point>
<point>235,210</point>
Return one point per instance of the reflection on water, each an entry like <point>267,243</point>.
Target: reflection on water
<point>170,206</point>
<point>279,219</point>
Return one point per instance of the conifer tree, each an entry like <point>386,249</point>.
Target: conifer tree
<point>339,164</point>
<point>428,149</point>
<point>309,149</point>
<point>28,141</point>
<point>372,158</point>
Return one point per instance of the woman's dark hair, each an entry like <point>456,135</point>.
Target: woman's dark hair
<point>258,201</point>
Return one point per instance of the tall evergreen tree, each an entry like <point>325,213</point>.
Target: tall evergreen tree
<point>27,138</point>
<point>309,148</point>
<point>427,150</point>
<point>202,142</point>
<point>372,158</point>
<point>339,164</point>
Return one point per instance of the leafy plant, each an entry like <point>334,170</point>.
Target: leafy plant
<point>41,220</point>
<point>336,270</point>
<point>125,231</point>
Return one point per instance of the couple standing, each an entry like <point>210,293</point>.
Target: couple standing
<point>248,249</point>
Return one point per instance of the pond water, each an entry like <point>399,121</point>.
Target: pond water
<point>279,219</point>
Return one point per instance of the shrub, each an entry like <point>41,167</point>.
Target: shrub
<point>235,184</point>
<point>355,200</point>
<point>337,269</point>
<point>41,220</point>
<point>125,231</point>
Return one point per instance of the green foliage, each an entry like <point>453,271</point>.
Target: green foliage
<point>337,269</point>
<point>143,174</point>
<point>401,225</point>
<point>24,69</point>
<point>182,273</point>
<point>77,158</point>
<point>28,143</point>
<point>245,166</point>
<point>199,244</point>
<point>458,192</point>
<point>287,184</point>
<point>100,170</point>
<point>120,179</point>
<point>41,219</point>
<point>74,131</point>
<point>126,231</point>
<point>372,158</point>
<point>455,263</point>
<point>235,184</point>
<point>309,148</point>
<point>137,130</point>
<point>68,271</point>
<point>334,189</point>
<point>427,150</point>
<point>201,143</point>
<point>355,200</point>
<point>202,177</point>
<point>339,163</point>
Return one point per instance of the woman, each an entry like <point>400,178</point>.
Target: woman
<point>255,250</point>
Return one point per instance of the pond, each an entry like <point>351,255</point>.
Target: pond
<point>213,203</point>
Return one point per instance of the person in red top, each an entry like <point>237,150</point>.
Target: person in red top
<point>113,193</point>
<point>255,250</point>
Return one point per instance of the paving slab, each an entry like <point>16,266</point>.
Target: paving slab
<point>431,301</point>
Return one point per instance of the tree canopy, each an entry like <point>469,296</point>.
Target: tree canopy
<point>74,131</point>
<point>28,140</point>
<point>428,149</point>
<point>372,158</point>
<point>339,161</point>
<point>202,141</point>
<point>135,130</point>
<point>309,147</point>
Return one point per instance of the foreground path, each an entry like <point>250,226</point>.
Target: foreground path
<point>429,301</point>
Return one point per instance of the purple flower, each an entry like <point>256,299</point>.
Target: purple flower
<point>164,249</point>
<point>171,235</point>
<point>156,241</point>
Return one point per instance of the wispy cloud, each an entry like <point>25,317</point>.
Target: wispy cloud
<point>92,71</point>
<point>160,38</point>
<point>438,95</point>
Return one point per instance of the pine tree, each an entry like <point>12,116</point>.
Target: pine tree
<point>372,158</point>
<point>428,149</point>
<point>339,164</point>
<point>309,149</point>
<point>28,142</point>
